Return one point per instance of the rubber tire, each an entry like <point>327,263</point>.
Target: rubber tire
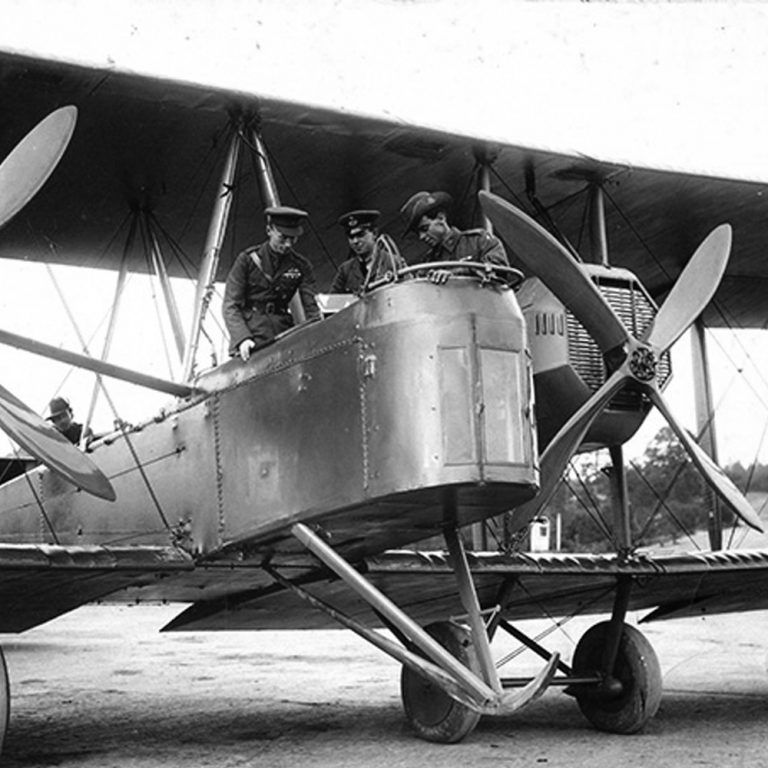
<point>637,667</point>
<point>434,715</point>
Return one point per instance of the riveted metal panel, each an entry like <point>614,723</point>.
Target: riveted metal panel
<point>165,484</point>
<point>293,440</point>
<point>347,423</point>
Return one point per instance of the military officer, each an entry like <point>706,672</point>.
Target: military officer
<point>426,214</point>
<point>262,282</point>
<point>362,232</point>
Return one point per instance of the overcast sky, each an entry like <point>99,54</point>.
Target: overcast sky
<point>661,85</point>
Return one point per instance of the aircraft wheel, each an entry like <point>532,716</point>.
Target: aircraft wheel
<point>637,669</point>
<point>434,715</point>
<point>5,700</point>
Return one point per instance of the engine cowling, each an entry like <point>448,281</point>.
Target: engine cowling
<point>568,365</point>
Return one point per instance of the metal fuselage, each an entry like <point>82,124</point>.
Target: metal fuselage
<point>360,424</point>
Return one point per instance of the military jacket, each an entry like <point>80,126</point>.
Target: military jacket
<point>470,245</point>
<point>258,291</point>
<point>350,276</point>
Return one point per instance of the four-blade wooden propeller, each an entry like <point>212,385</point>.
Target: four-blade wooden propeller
<point>548,260</point>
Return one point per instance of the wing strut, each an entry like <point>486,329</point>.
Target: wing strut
<point>271,197</point>
<point>705,424</point>
<point>213,243</point>
<point>112,323</point>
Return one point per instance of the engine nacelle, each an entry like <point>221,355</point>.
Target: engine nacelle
<point>568,365</point>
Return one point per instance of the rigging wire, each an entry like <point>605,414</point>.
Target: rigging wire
<point>740,369</point>
<point>750,477</point>
<point>541,212</point>
<point>637,234</point>
<point>146,247</point>
<point>661,500</point>
<point>506,186</point>
<point>217,151</point>
<point>186,264</point>
<point>121,425</point>
<point>37,498</point>
<point>83,343</point>
<point>467,189</point>
<point>555,623</point>
<point>182,257</point>
<point>594,513</point>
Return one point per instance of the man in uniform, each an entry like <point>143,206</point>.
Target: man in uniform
<point>262,282</point>
<point>362,232</point>
<point>426,213</point>
<point>61,416</point>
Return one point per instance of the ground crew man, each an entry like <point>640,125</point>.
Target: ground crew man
<point>61,416</point>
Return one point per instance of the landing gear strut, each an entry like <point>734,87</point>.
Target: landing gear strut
<point>449,677</point>
<point>629,692</point>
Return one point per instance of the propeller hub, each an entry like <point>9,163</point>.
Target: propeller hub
<point>642,364</point>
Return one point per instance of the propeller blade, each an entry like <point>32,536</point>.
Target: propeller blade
<point>717,479</point>
<point>22,173</point>
<point>33,159</point>
<point>564,445</point>
<point>45,443</point>
<point>693,289</point>
<point>548,260</point>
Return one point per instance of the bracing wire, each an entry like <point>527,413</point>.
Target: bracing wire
<point>661,502</point>
<point>273,162</point>
<point>121,424</point>
<point>594,512</point>
<point>146,246</point>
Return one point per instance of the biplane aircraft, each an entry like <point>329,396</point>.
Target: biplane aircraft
<point>282,492</point>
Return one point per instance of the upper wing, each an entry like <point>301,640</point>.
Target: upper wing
<point>144,144</point>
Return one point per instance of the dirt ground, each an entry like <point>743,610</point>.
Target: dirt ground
<point>101,687</point>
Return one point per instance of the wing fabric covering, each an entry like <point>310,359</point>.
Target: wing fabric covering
<point>530,586</point>
<point>145,143</point>
<point>39,582</point>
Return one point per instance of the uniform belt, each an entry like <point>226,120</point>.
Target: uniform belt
<point>270,308</point>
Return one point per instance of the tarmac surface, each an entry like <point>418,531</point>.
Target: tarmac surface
<point>100,687</point>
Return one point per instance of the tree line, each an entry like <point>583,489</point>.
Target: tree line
<point>668,498</point>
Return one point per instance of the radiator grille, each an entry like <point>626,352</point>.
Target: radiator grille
<point>636,310</point>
